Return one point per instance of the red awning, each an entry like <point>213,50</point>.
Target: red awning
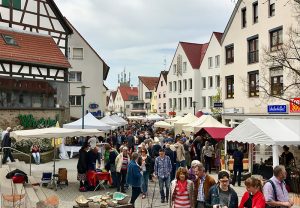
<point>217,133</point>
<point>199,114</point>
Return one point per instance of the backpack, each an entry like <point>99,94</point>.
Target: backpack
<point>274,191</point>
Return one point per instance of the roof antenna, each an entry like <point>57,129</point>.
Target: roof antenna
<point>165,63</point>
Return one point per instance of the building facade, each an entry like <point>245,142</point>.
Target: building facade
<point>184,78</point>
<point>210,73</point>
<point>161,93</point>
<point>88,69</point>
<point>124,98</point>
<point>262,27</point>
<point>146,89</point>
<point>34,68</point>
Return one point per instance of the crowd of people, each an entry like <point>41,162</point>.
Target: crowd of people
<point>181,165</point>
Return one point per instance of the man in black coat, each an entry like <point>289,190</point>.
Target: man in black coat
<point>6,142</point>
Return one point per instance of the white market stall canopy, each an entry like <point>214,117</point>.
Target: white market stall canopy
<point>266,131</point>
<point>90,122</point>
<point>109,121</point>
<point>154,117</point>
<point>119,119</point>
<point>203,122</point>
<point>163,124</point>
<point>53,132</point>
<point>174,119</point>
<point>185,120</point>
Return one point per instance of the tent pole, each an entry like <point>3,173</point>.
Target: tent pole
<point>275,155</point>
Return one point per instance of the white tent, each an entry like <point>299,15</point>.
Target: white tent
<point>273,132</point>
<point>185,120</point>
<point>162,124</point>
<point>174,119</point>
<point>110,121</point>
<point>90,122</point>
<point>53,132</point>
<point>119,119</point>
<point>154,117</point>
<point>203,122</point>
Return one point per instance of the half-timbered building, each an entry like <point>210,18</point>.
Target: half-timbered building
<point>33,63</point>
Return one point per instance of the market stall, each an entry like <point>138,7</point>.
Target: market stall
<point>178,125</point>
<point>90,122</point>
<point>163,124</point>
<point>154,117</point>
<point>202,122</point>
<point>119,119</point>
<point>268,132</point>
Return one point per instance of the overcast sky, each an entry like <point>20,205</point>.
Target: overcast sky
<point>139,34</point>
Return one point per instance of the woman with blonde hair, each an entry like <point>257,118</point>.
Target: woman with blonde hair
<point>182,189</point>
<point>253,197</point>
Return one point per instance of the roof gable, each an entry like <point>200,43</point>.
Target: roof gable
<point>128,93</point>
<point>164,75</point>
<point>32,48</point>
<point>149,82</point>
<point>105,66</point>
<point>218,35</point>
<point>113,95</point>
<point>194,52</point>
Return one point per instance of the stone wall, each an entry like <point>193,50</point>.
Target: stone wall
<point>9,117</point>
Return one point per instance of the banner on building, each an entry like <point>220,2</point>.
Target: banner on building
<point>295,105</point>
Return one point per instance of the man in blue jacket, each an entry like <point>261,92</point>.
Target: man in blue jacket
<point>134,177</point>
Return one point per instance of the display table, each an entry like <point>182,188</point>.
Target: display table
<point>93,177</point>
<point>72,149</point>
<point>118,206</point>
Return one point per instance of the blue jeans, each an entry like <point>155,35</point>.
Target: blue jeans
<point>145,180</point>
<point>180,164</point>
<point>164,182</point>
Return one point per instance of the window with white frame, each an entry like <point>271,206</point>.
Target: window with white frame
<point>203,102</point>
<point>210,62</point>
<point>179,104</point>
<point>175,86</point>
<point>77,53</point>
<point>184,67</point>
<point>170,103</point>
<point>210,81</point>
<point>190,102</point>
<point>190,84</point>
<point>75,76</point>
<point>184,84</point>
<point>217,61</point>
<point>75,100</point>
<point>184,102</point>
<point>210,100</point>
<point>174,103</point>
<point>170,86</point>
<point>203,82</point>
<point>217,80</point>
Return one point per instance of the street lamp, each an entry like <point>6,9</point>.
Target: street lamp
<point>82,95</point>
<point>194,106</point>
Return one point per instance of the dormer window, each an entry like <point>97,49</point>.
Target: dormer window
<point>9,40</point>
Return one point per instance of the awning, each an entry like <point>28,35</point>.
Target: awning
<point>217,134</point>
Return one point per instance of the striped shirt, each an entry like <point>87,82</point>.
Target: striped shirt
<point>181,200</point>
<point>200,196</point>
<point>124,163</point>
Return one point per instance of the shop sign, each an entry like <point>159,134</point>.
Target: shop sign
<point>277,109</point>
<point>218,105</point>
<point>233,110</point>
<point>93,106</point>
<point>295,105</point>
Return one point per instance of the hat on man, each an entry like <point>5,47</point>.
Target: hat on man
<point>8,129</point>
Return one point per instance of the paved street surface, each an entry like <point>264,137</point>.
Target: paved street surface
<point>69,193</point>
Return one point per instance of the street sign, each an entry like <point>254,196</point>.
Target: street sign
<point>277,109</point>
<point>218,105</point>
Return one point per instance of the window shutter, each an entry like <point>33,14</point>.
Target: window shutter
<point>5,3</point>
<point>17,4</point>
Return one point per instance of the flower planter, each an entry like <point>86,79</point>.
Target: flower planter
<point>45,157</point>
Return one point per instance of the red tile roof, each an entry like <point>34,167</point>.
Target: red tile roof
<point>194,52</point>
<point>128,93</point>
<point>218,36</point>
<point>32,48</point>
<point>149,82</point>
